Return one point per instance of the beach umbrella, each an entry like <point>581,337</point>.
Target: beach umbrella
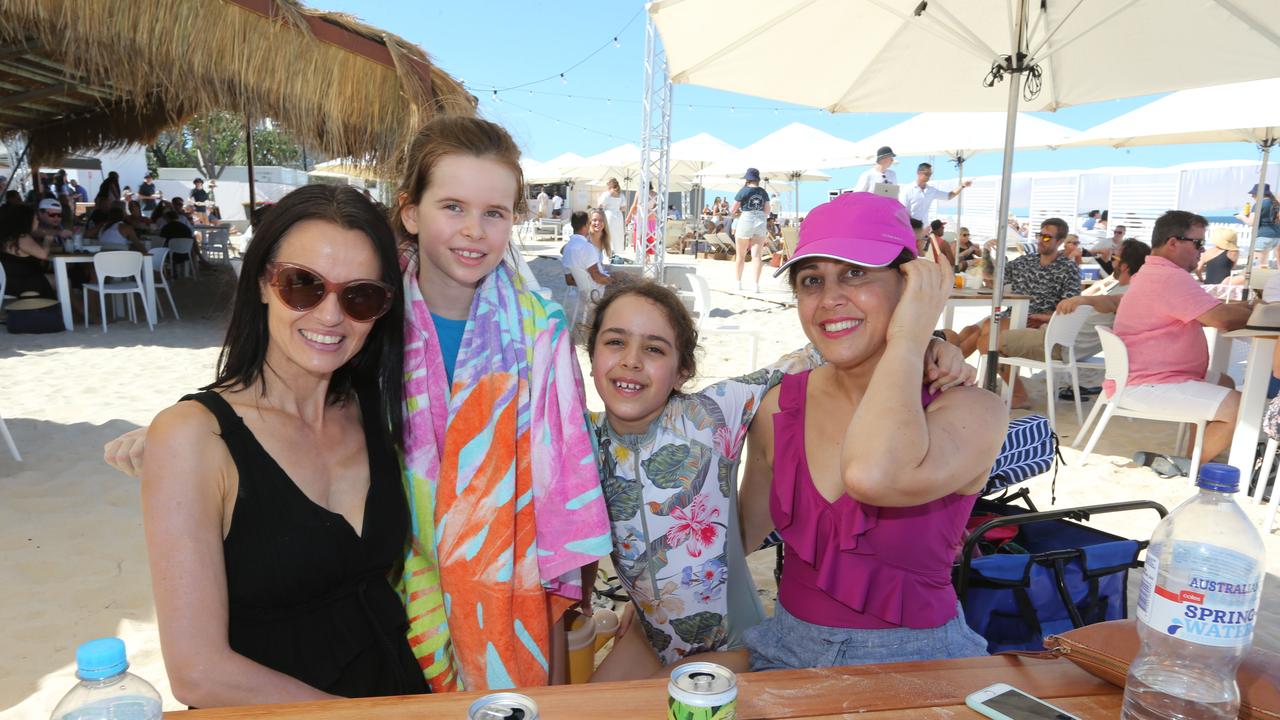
<point>794,153</point>
<point>553,170</point>
<point>622,162</point>
<point>1236,112</point>
<point>949,55</point>
<point>961,135</point>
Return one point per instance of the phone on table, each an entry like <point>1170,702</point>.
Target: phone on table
<point>1005,702</point>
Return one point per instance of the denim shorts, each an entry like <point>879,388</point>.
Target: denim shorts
<point>787,642</point>
<point>1268,238</point>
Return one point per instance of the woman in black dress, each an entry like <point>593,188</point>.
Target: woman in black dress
<point>21,255</point>
<point>272,500</point>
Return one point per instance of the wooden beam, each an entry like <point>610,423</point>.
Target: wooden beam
<point>13,51</point>
<point>36,94</point>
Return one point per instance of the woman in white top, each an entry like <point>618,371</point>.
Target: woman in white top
<point>118,234</point>
<point>610,202</point>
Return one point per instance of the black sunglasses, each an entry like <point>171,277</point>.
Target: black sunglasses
<point>1199,242</point>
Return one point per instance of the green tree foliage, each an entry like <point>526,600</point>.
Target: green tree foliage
<point>215,140</point>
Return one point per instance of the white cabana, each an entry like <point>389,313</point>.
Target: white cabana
<point>1236,112</point>
<point>621,162</point>
<point>982,55</point>
<point>553,170</point>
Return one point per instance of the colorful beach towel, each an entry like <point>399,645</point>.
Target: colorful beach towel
<point>502,484</point>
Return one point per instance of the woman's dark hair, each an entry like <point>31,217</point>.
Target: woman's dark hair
<point>681,321</point>
<point>377,367</point>
<point>15,221</point>
<point>903,258</point>
<point>160,209</point>
<point>115,214</point>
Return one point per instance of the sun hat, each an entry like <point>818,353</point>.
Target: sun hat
<point>50,204</point>
<point>1266,189</point>
<point>752,174</point>
<point>884,152</point>
<point>1225,239</point>
<point>859,228</point>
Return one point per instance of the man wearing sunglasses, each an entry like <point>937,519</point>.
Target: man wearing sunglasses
<point>49,219</point>
<point>1162,321</point>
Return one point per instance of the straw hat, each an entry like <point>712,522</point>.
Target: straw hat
<point>1225,239</point>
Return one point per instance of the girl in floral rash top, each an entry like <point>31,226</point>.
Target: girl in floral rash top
<point>669,470</point>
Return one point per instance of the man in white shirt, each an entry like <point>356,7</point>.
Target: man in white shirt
<point>879,173</point>
<point>557,204</point>
<point>919,197</point>
<point>580,254</point>
<point>543,201</point>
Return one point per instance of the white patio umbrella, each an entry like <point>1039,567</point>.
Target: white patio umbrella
<point>553,170</point>
<point>793,153</point>
<point>622,162</point>
<point>961,135</point>
<point>946,55</point>
<point>1236,112</point>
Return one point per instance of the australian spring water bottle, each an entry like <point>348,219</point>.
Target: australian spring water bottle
<point>106,690</point>
<point>1196,609</point>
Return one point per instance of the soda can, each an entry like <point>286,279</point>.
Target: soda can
<point>702,691</point>
<point>503,706</point>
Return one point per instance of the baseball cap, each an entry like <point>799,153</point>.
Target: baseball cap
<point>859,228</point>
<point>50,204</point>
<point>752,174</point>
<point>885,151</point>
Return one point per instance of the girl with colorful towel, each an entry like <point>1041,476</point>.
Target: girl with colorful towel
<point>498,460</point>
<point>669,466</point>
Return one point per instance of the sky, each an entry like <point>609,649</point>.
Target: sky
<point>522,48</point>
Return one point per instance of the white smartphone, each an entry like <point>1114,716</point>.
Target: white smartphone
<point>1005,702</point>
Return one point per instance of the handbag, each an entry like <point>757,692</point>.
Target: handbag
<point>34,315</point>
<point>1105,650</point>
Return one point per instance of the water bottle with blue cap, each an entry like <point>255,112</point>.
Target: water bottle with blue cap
<point>1197,606</point>
<point>107,690</point>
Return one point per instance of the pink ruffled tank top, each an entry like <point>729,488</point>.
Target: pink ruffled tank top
<point>853,565</point>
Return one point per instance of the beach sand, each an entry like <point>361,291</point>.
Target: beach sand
<point>72,552</point>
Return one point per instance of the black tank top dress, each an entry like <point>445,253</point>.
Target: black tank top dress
<point>308,597</point>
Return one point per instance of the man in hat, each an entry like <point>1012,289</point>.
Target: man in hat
<point>49,222</point>
<point>147,193</point>
<point>879,173</point>
<point>1161,322</point>
<point>919,197</point>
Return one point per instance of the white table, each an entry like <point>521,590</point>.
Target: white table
<point>60,263</point>
<point>1253,397</point>
<point>1021,305</point>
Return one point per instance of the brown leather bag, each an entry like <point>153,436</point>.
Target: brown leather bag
<point>1106,649</point>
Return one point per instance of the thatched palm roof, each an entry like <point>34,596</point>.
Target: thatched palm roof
<point>78,74</point>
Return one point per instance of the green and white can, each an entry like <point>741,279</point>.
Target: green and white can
<point>503,706</point>
<point>702,691</point>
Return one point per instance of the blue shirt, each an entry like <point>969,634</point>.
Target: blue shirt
<point>450,334</point>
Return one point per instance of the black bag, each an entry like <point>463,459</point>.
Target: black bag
<point>34,315</point>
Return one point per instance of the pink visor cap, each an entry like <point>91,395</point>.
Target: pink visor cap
<point>859,228</point>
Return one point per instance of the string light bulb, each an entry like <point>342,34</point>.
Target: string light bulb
<point>563,80</point>
<point>615,41</point>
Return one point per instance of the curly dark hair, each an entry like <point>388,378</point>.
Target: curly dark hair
<point>686,330</point>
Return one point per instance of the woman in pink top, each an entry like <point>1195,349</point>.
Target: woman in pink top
<point>868,479</point>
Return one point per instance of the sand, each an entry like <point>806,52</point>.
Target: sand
<point>72,554</point>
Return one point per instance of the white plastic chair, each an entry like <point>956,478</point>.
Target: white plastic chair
<point>586,286</point>
<point>1117,371</point>
<point>117,264</point>
<point>8,439</point>
<point>3,280</point>
<point>184,246</point>
<point>1061,330</point>
<point>158,258</point>
<point>702,309</point>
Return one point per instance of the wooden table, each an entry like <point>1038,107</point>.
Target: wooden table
<point>973,298</point>
<point>933,689</point>
<point>63,285</point>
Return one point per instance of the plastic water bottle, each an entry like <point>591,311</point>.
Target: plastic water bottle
<point>106,690</point>
<point>1197,606</point>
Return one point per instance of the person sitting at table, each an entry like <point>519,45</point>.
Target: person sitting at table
<point>137,219</point>
<point>1048,276</point>
<point>21,255</point>
<point>868,476</point>
<point>272,501</point>
<point>1161,321</point>
<point>157,214</point>
<point>1071,249</point>
<point>936,247</point>
<point>117,233</point>
<point>1220,258</point>
<point>969,251</point>
<point>49,222</point>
